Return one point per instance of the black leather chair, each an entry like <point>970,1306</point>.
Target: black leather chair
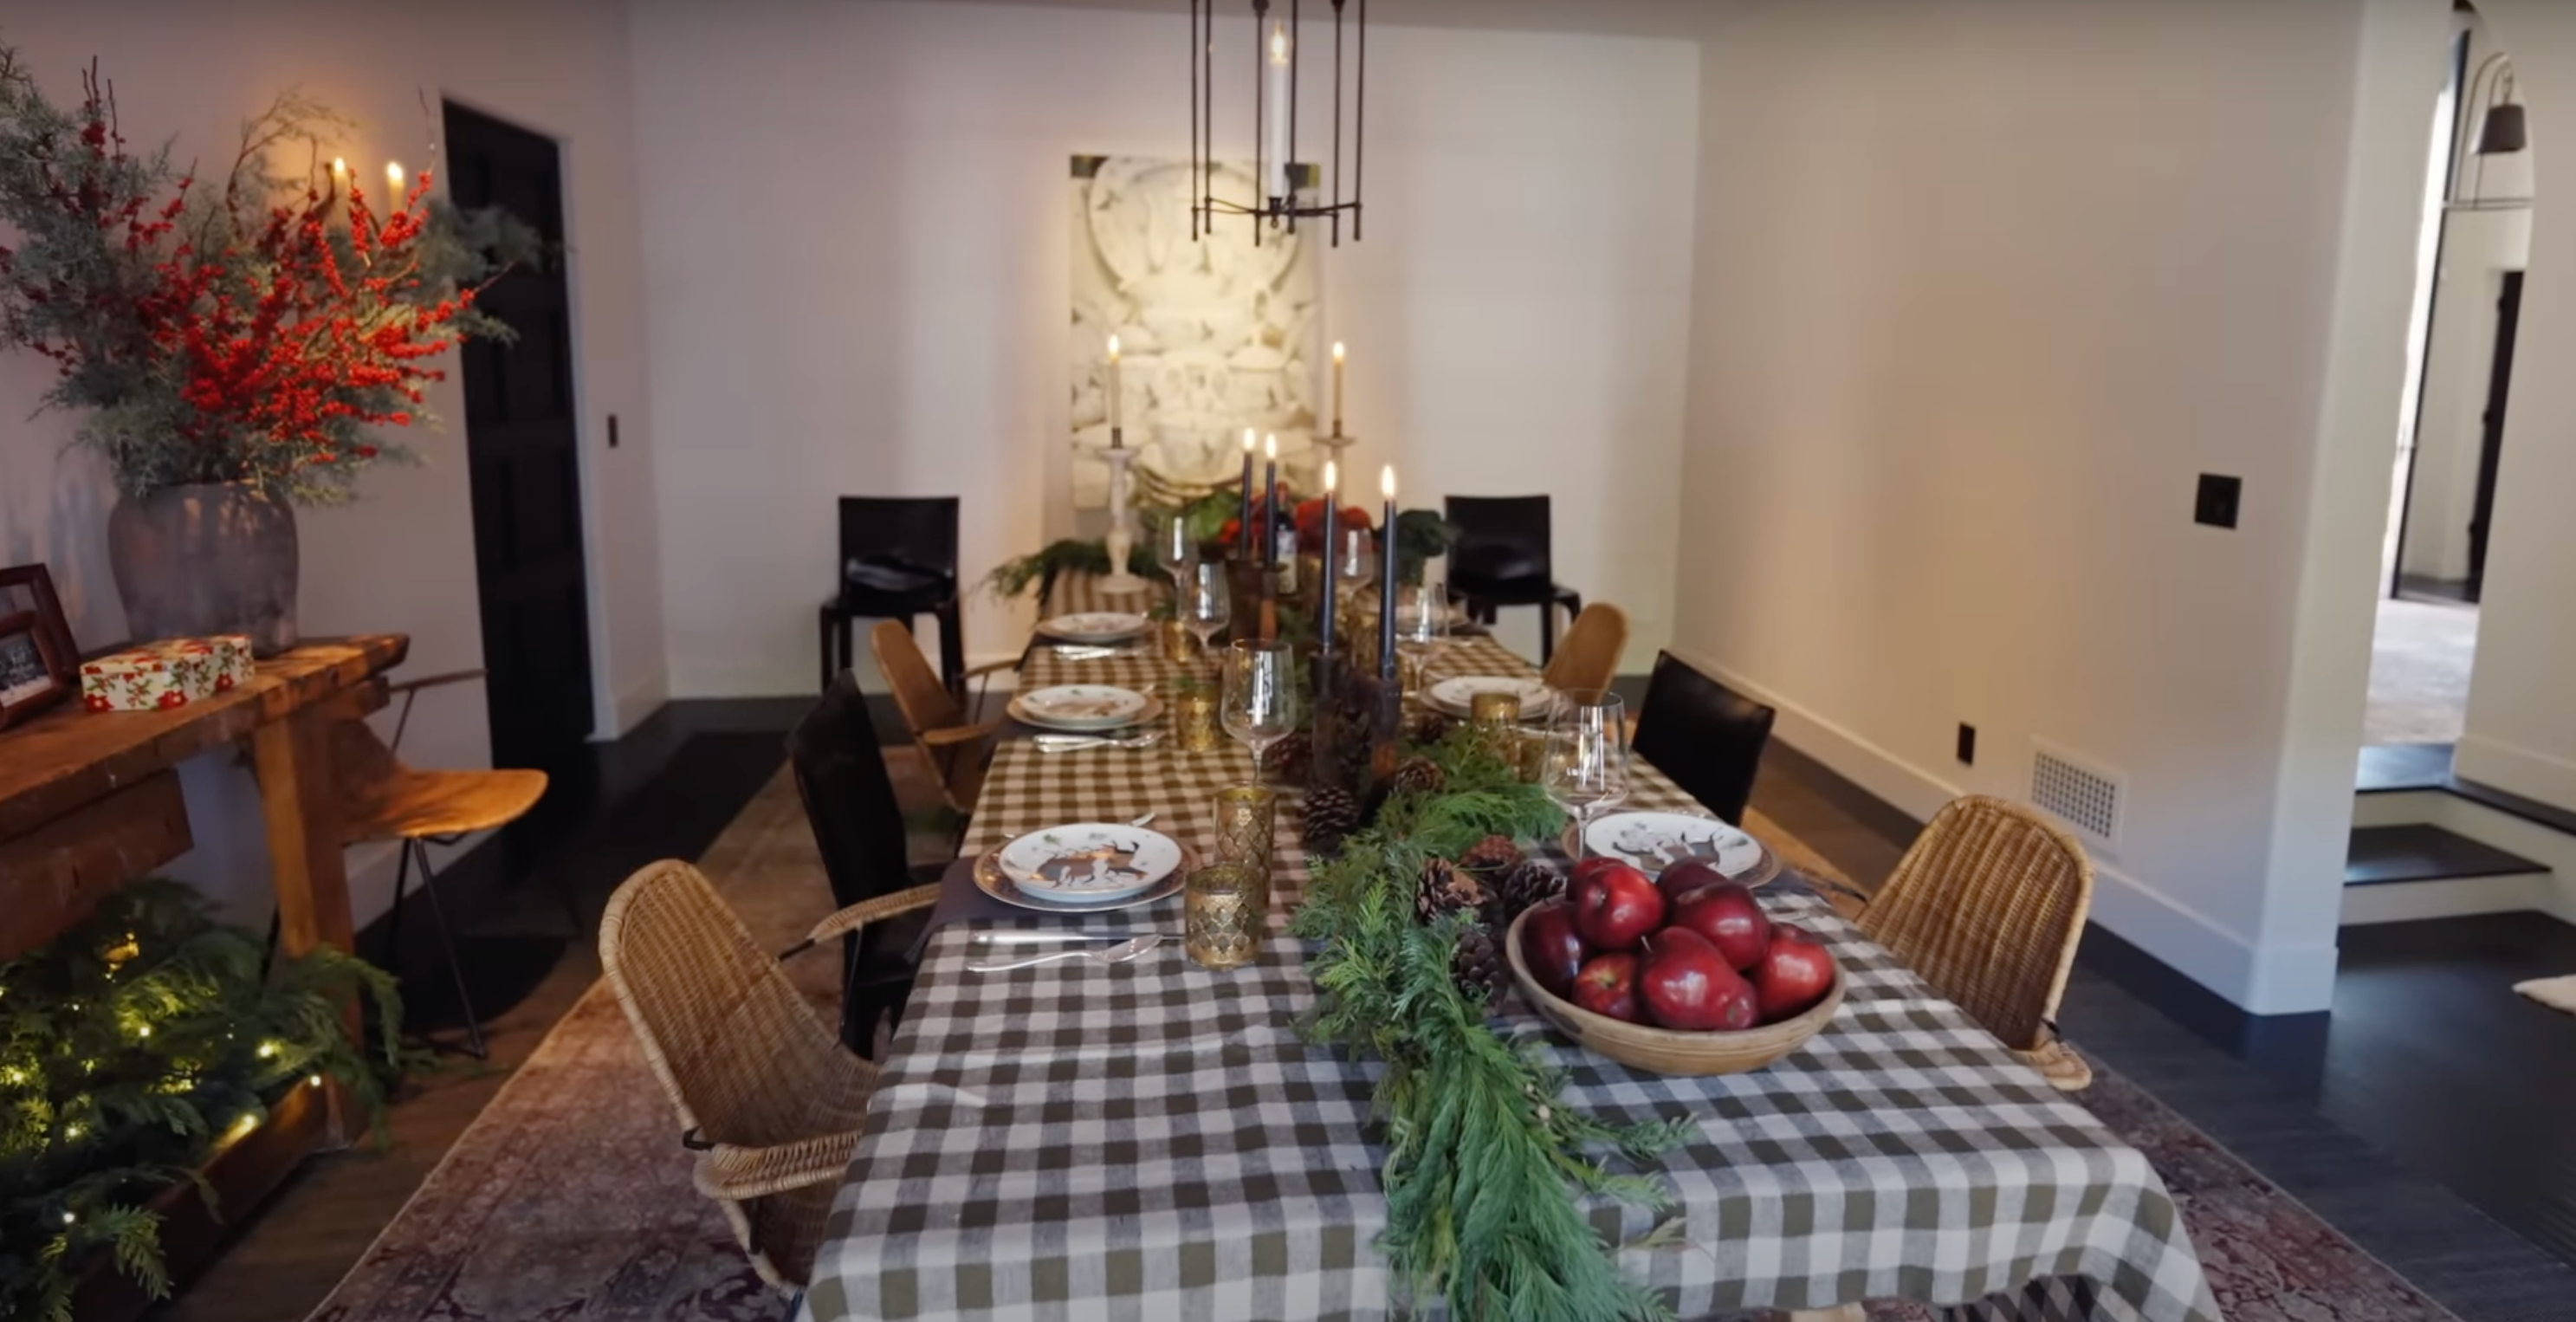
<point>858,826</point>
<point>1502,559</point>
<point>898,562</point>
<point>1706,736</point>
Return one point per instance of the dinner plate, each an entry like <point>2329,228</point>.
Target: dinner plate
<point>1457,696</point>
<point>991,879</point>
<point>1653,841</point>
<point>1079,706</point>
<point>1094,626</point>
<point>1089,862</point>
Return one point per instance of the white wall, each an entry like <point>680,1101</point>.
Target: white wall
<point>855,239</point>
<point>1982,287</point>
<point>2521,732</point>
<point>402,559</point>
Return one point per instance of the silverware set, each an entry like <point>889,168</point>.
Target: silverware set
<point>1120,953</point>
<point>1094,652</point>
<point>1066,743</point>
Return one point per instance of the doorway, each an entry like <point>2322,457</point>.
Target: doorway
<point>524,460</point>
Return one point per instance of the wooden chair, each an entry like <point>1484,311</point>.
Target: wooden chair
<point>1589,656</point>
<point>955,745</point>
<point>383,800</point>
<point>766,1096</point>
<point>1989,905</point>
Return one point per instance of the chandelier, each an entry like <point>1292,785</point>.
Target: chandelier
<point>1279,201</point>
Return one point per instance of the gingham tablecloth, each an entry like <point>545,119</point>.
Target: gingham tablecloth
<point>1152,1140</point>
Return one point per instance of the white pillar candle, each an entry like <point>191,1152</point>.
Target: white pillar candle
<point>1274,110</point>
<point>1337,387</point>
<point>1114,392</point>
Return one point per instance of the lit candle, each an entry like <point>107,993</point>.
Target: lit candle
<point>1332,552</point>
<point>1386,581</point>
<point>1274,110</point>
<point>1270,502</point>
<point>394,178</point>
<point>1114,441</point>
<point>1243,521</point>
<point>1337,387</point>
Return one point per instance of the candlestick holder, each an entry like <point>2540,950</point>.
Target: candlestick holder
<point>1122,538</point>
<point>1333,446</point>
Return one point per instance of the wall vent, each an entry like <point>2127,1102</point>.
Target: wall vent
<point>2082,795</point>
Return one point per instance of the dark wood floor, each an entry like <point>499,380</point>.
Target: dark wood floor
<point>2430,1124</point>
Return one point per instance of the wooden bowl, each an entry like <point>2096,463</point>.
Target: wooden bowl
<point>1667,1050</point>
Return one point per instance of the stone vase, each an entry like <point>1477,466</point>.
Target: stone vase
<point>204,559</point>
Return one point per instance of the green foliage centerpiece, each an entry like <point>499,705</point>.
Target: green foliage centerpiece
<point>1484,1160</point>
<point>133,1047</point>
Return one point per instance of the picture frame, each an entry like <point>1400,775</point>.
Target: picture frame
<point>39,666</point>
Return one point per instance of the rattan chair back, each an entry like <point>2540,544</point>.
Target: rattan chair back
<point>1989,905</point>
<point>1588,656</point>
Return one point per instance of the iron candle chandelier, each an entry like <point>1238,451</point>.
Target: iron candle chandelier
<point>1276,175</point>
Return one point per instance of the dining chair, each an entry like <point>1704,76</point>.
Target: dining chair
<point>956,746</point>
<point>383,801</point>
<point>898,561</point>
<point>858,826</point>
<point>1590,657</point>
<point>1503,558</point>
<point>1707,737</point>
<point>1989,906</point>
<point>766,1095</point>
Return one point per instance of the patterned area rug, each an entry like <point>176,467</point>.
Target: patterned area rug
<point>569,1198</point>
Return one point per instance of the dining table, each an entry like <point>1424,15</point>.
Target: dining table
<point>1152,1139</point>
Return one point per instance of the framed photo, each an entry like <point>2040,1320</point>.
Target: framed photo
<point>38,664</point>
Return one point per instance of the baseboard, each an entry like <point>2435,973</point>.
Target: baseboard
<point>2516,770</point>
<point>2446,897</point>
<point>635,704</point>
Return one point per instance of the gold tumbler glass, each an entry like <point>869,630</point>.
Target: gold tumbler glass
<point>1194,722</point>
<point>1176,642</point>
<point>1493,710</point>
<point>1226,912</point>
<point>1245,818</point>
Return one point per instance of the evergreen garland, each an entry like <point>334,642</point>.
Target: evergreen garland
<point>1484,1160</point>
<point>132,1047</point>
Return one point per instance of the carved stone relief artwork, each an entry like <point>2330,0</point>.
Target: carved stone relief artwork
<point>1215,335</point>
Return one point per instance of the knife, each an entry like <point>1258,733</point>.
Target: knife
<point>1021,938</point>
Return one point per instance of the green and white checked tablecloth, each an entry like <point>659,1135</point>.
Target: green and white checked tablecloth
<point>1152,1140</point>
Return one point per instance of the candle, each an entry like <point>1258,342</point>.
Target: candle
<point>1270,502</point>
<point>1274,110</point>
<point>1386,582</point>
<point>1337,387</point>
<point>394,178</point>
<point>1113,392</point>
<point>1243,521</point>
<point>1332,552</point>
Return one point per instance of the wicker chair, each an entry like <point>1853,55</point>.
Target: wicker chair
<point>1589,656</point>
<point>766,1096</point>
<point>1988,905</point>
<point>956,746</point>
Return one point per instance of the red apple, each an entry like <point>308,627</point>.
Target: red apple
<point>1794,974</point>
<point>1614,906</point>
<point>1585,869</point>
<point>1687,985</point>
<point>1608,986</point>
<point>1552,948</point>
<point>1686,876</point>
<point>1732,920</point>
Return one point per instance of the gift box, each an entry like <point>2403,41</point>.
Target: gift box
<point>231,659</point>
<point>154,677</point>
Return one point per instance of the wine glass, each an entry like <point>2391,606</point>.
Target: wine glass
<point>1261,704</point>
<point>1585,764</point>
<point>1421,616</point>
<point>1206,602</point>
<point>1176,551</point>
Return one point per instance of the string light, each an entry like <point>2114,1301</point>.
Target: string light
<point>314,1081</point>
<point>73,1130</point>
<point>144,1031</point>
<point>267,1050</point>
<point>68,1218</point>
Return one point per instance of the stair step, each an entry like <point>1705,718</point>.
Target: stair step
<point>2421,852</point>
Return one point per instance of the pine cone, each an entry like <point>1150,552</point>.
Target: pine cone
<point>1446,887</point>
<point>1418,775</point>
<point>1331,813</point>
<point>1521,885</point>
<point>1478,966</point>
<point>1292,759</point>
<point>1490,855</point>
<point>1426,727</point>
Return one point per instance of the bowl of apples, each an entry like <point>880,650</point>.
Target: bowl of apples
<point>1684,973</point>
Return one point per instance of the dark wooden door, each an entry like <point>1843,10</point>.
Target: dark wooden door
<point>521,442</point>
<point>2491,431</point>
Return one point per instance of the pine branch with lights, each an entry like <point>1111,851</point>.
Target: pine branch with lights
<point>132,1048</point>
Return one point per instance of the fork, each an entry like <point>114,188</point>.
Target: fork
<point>1066,743</point>
<point>1117,954</point>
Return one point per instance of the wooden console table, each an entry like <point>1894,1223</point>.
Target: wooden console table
<point>90,800</point>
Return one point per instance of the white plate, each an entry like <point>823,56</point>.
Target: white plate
<point>1094,626</point>
<point>1656,840</point>
<point>1079,706</point>
<point>989,879</point>
<point>1089,862</point>
<point>1457,696</point>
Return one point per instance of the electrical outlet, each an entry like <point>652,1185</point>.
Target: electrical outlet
<point>612,431</point>
<point>1967,744</point>
<point>2217,502</point>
